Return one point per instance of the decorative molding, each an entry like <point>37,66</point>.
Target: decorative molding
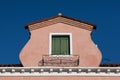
<point>59,71</point>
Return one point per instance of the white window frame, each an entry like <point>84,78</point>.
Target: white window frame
<point>50,44</point>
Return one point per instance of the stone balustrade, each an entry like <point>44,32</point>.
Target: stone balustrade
<point>59,61</point>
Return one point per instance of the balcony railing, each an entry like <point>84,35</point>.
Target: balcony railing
<point>59,61</point>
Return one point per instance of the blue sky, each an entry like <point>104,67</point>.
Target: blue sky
<point>15,14</point>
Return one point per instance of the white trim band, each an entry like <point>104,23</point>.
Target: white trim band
<point>59,71</point>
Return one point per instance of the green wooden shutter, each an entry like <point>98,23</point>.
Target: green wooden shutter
<point>55,45</point>
<point>65,45</point>
<point>60,45</point>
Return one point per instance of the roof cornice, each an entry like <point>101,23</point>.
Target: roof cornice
<point>59,71</point>
<point>61,19</point>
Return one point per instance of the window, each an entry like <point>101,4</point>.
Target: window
<point>60,45</point>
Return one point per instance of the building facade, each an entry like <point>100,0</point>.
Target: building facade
<point>60,40</point>
<point>60,48</point>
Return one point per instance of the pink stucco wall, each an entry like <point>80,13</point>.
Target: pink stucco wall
<point>59,78</point>
<point>82,45</point>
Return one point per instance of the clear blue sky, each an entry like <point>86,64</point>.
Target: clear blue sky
<point>15,14</point>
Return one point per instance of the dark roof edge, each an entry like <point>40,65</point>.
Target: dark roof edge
<point>20,65</point>
<point>11,65</point>
<point>26,26</point>
<point>109,65</point>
